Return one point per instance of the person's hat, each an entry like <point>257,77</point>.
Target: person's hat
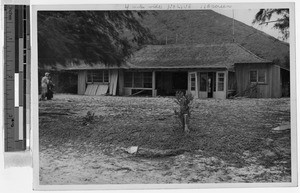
<point>47,74</point>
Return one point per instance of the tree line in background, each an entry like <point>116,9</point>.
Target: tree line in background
<point>109,37</point>
<point>91,36</point>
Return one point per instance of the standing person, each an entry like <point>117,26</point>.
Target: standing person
<point>44,83</point>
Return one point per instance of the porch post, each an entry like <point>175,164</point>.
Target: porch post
<point>153,84</point>
<point>226,83</point>
<point>197,83</point>
<point>121,82</point>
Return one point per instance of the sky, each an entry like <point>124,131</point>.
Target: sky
<point>246,16</point>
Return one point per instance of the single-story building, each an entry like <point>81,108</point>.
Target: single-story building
<point>207,71</point>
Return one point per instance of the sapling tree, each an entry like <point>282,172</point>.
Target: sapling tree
<point>183,111</point>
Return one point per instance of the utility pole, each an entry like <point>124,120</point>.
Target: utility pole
<point>233,26</point>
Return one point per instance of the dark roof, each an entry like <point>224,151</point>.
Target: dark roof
<point>209,27</point>
<point>84,66</point>
<point>192,56</point>
<point>183,56</point>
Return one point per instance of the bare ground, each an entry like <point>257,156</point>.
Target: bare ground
<point>230,141</point>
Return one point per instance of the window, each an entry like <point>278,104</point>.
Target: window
<point>128,79</point>
<point>261,76</point>
<point>147,79</point>
<point>258,76</point>
<point>138,79</point>
<point>221,81</point>
<point>193,82</point>
<point>99,76</point>
<point>203,81</point>
<point>253,76</point>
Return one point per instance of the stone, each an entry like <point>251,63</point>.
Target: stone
<point>132,149</point>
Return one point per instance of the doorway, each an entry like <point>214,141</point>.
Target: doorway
<point>211,82</point>
<point>207,84</point>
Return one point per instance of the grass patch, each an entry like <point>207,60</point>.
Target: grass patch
<point>224,129</point>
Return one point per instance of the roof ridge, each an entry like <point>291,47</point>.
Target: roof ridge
<point>196,44</point>
<point>252,53</point>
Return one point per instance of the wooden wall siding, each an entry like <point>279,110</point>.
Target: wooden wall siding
<point>276,86</point>
<point>154,91</point>
<point>81,82</point>
<point>231,81</point>
<point>272,86</point>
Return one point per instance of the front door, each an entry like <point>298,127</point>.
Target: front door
<point>203,90</point>
<point>206,85</point>
<point>210,84</point>
<point>221,85</point>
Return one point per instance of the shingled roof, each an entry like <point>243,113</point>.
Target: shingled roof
<point>209,27</point>
<point>182,57</point>
<point>192,56</point>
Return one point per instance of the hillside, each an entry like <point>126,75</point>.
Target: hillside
<point>209,27</point>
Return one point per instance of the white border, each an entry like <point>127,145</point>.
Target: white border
<point>34,107</point>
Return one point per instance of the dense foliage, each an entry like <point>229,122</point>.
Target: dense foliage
<point>90,36</point>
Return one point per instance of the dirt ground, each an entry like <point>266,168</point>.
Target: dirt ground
<point>231,141</point>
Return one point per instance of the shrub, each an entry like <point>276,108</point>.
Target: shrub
<point>184,102</point>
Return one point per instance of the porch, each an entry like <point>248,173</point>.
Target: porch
<point>201,83</point>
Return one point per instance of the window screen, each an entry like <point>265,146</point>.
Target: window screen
<point>147,79</point>
<point>98,76</point>
<point>138,80</point>
<point>128,79</point>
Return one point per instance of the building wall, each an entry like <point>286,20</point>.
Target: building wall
<point>276,83</point>
<point>270,89</point>
<point>81,82</point>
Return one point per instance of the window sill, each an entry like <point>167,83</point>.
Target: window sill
<point>259,83</point>
<point>102,83</point>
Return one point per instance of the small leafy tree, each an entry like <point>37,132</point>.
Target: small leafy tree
<point>184,102</point>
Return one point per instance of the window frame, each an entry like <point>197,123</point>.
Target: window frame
<point>104,74</point>
<point>258,72</point>
<point>221,82</point>
<point>144,77</point>
<point>193,81</point>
